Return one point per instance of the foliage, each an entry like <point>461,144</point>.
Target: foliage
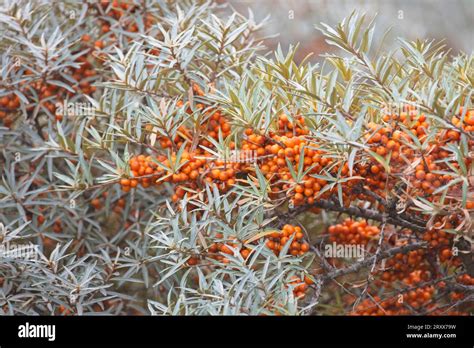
<point>162,164</point>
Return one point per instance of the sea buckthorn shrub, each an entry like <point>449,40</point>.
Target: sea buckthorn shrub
<point>158,161</point>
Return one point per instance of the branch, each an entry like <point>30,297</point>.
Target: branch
<point>366,262</point>
<point>355,211</point>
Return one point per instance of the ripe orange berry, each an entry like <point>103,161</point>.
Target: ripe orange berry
<point>299,189</point>
<point>391,144</point>
<point>223,176</point>
<point>215,173</point>
<point>226,250</point>
<point>469,119</point>
<point>193,261</point>
<point>430,177</point>
<point>299,197</point>
<point>295,245</point>
<point>452,135</point>
<point>194,174</point>
<point>274,149</point>
<point>245,253</point>
<point>96,203</point>
<point>375,169</point>
<point>125,182</point>
<point>270,244</point>
<point>289,152</point>
<point>41,219</point>
<point>420,174</point>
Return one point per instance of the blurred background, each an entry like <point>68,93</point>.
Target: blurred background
<point>294,20</point>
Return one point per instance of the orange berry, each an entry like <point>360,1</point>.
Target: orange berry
<point>295,245</point>
<point>223,176</point>
<point>299,197</point>
<point>452,135</point>
<point>304,247</point>
<point>215,173</point>
<point>226,250</point>
<point>41,219</point>
<point>270,244</point>
<point>420,174</point>
<point>430,177</point>
<point>194,174</point>
<point>274,149</point>
<point>125,182</point>
<point>391,144</point>
<point>289,152</point>
<point>245,253</point>
<point>96,203</point>
<point>375,169</point>
<point>193,261</point>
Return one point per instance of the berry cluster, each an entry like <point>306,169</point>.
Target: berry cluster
<point>441,241</point>
<point>216,250</point>
<point>278,151</point>
<point>464,279</point>
<point>84,74</point>
<point>300,285</point>
<point>395,306</point>
<point>401,266</point>
<point>287,146</point>
<point>195,164</point>
<point>353,232</point>
<point>46,94</point>
<point>397,140</point>
<point>413,297</point>
<point>404,271</point>
<point>8,105</point>
<point>277,240</point>
<point>468,121</point>
<point>117,15</point>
